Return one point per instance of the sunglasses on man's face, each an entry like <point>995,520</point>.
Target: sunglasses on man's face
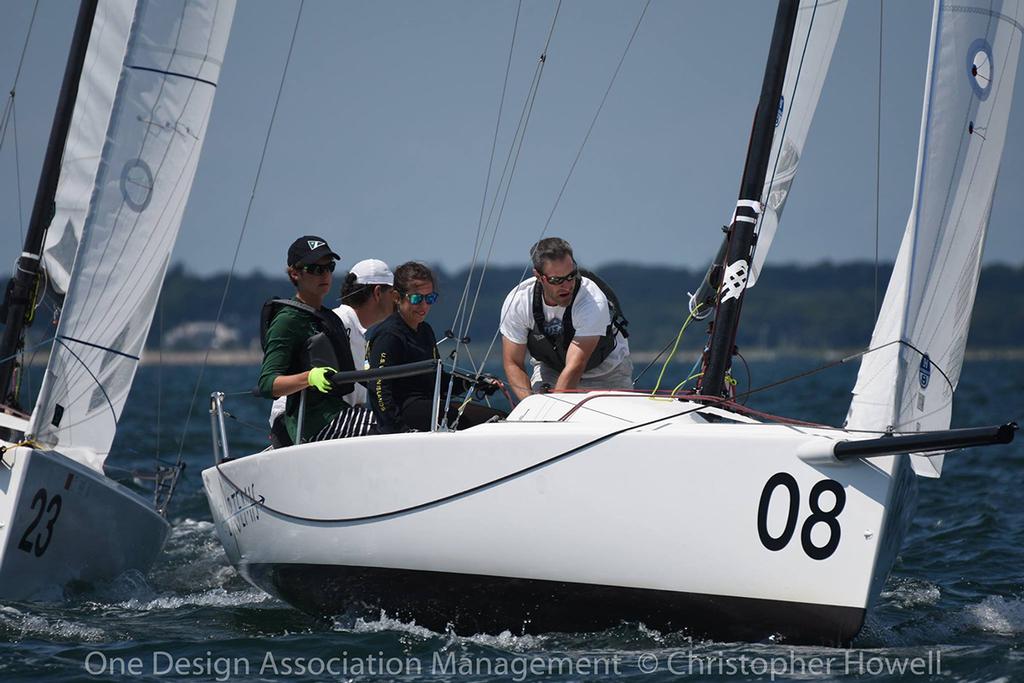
<point>417,299</point>
<point>317,268</point>
<point>559,279</point>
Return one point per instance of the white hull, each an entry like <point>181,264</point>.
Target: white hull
<point>658,524</point>
<point>65,524</point>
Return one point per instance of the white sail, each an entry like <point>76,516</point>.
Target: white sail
<point>101,71</point>
<point>922,328</point>
<point>165,88</point>
<point>817,28</point>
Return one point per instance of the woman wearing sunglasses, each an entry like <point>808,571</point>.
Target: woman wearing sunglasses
<point>405,404</point>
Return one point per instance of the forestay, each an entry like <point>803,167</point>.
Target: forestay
<point>971,70</point>
<point>817,28</point>
<point>166,76</point>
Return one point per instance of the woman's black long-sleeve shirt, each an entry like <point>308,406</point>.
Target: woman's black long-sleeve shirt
<point>392,342</point>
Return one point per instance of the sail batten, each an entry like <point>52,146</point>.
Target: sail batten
<point>909,386</point>
<point>123,235</point>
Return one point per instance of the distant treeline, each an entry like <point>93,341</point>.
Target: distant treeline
<point>810,307</point>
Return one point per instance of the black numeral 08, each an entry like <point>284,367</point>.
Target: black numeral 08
<point>817,516</point>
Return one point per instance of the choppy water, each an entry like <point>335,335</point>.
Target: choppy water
<point>953,608</point>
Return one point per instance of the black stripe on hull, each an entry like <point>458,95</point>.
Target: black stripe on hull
<point>491,604</point>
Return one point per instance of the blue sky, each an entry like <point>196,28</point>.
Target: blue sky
<point>384,131</point>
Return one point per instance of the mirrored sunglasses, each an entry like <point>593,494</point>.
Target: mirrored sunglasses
<point>417,299</point>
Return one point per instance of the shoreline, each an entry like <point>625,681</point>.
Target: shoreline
<point>243,357</point>
<point>246,357</point>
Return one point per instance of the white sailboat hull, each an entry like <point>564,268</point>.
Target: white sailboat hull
<point>64,524</point>
<point>661,523</point>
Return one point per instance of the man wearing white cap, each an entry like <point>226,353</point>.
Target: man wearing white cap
<point>366,299</point>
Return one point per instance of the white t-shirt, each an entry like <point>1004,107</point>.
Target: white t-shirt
<point>357,342</point>
<point>590,318</point>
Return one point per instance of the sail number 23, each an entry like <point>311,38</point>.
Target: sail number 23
<point>829,518</point>
<point>38,543</point>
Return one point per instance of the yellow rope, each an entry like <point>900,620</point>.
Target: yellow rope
<point>27,442</point>
<point>680,385</point>
<point>675,347</point>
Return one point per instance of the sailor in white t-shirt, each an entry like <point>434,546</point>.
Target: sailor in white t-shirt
<point>366,300</point>
<point>563,320</point>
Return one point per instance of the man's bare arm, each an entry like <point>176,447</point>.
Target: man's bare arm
<point>576,358</point>
<point>513,358</point>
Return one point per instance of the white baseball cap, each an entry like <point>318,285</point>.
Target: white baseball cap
<point>373,272</point>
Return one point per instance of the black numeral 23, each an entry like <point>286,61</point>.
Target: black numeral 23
<point>39,544</point>
<point>818,515</point>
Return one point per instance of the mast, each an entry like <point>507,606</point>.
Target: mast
<point>20,290</point>
<point>740,235</point>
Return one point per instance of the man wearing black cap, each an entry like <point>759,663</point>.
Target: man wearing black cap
<point>285,371</point>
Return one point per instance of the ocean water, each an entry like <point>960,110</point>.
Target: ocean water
<point>952,610</point>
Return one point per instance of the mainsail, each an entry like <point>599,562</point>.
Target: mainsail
<point>907,384</point>
<point>814,38</point>
<point>166,76</point>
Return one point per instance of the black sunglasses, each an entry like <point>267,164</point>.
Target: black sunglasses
<point>559,279</point>
<point>317,268</point>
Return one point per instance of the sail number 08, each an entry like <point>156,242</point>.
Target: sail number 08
<point>817,516</point>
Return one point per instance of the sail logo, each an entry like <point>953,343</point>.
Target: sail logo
<point>137,184</point>
<point>313,244</point>
<point>924,375</point>
<point>782,108</point>
<point>979,68</point>
<point>735,280</point>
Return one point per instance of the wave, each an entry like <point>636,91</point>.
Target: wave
<point>999,615</point>
<point>217,597</point>
<point>17,625</point>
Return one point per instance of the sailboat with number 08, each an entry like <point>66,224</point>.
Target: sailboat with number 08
<point>693,512</point>
<point>123,150</point>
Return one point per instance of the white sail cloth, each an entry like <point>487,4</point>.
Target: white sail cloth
<point>81,159</point>
<point>166,77</point>
<point>921,332</point>
<point>814,38</point>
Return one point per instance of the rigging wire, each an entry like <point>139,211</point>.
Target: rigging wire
<point>572,167</point>
<point>487,183</point>
<point>241,234</point>
<point>878,151</point>
<point>750,382</point>
<point>24,375</point>
<point>17,75</point>
<point>17,173</point>
<point>675,347</point>
<point>513,156</point>
<point>653,362</point>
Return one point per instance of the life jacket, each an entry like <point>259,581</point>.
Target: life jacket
<point>328,347</point>
<point>551,349</point>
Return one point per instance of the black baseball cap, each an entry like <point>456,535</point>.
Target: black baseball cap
<point>309,249</point>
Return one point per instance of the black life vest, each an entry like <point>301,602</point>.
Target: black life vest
<point>329,347</point>
<point>551,349</point>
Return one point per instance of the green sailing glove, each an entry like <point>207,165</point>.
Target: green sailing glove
<point>317,379</point>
